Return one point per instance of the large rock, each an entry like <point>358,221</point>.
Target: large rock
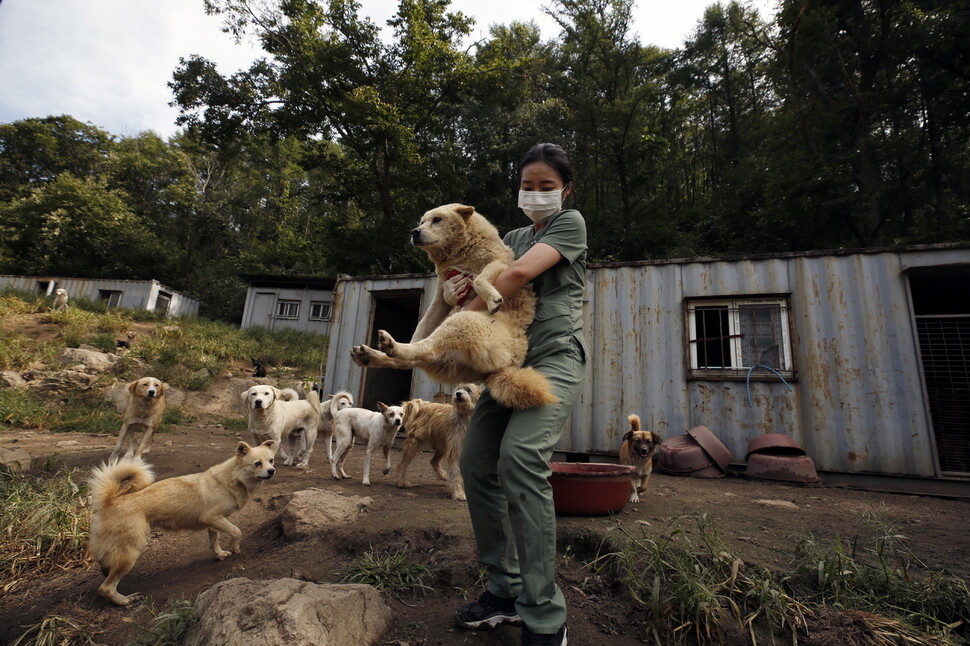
<point>64,381</point>
<point>312,510</point>
<point>92,360</point>
<point>15,460</point>
<point>288,612</point>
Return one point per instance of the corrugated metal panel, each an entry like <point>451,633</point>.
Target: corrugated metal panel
<point>857,404</point>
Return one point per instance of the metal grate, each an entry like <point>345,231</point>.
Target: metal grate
<point>944,342</point>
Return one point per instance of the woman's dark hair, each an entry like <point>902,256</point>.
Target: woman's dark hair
<point>553,155</point>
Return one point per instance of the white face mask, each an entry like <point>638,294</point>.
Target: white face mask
<point>540,205</point>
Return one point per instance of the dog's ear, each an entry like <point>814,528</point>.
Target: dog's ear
<point>165,387</point>
<point>268,444</point>
<point>132,386</point>
<point>277,393</point>
<point>381,406</point>
<point>244,394</point>
<point>656,437</point>
<point>628,436</point>
<point>465,211</point>
<point>242,448</point>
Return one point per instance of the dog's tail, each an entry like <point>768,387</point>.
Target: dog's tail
<point>117,478</point>
<point>520,388</point>
<point>289,395</point>
<point>634,421</point>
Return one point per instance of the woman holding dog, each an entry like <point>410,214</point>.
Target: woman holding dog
<point>505,459</point>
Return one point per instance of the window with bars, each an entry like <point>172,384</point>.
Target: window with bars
<point>726,338</point>
<point>110,297</point>
<point>287,309</point>
<point>319,311</point>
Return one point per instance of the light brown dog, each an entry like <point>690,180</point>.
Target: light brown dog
<point>638,449</point>
<point>60,299</point>
<point>127,504</point>
<point>441,427</point>
<point>456,347</point>
<point>146,404</point>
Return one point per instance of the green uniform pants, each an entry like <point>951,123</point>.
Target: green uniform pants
<point>505,465</point>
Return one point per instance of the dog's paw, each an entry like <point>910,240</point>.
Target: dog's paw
<point>634,498</point>
<point>366,483</point>
<point>385,343</point>
<point>222,555</point>
<point>288,462</point>
<point>361,354</point>
<point>495,304</point>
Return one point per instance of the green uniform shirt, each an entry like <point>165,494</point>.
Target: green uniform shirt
<point>559,289</point>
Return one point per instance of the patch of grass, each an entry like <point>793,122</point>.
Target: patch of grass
<point>56,630</point>
<point>238,424</point>
<point>170,627</point>
<point>44,524</point>
<point>692,586</point>
<point>391,571</point>
<point>876,572</point>
<point>81,412</point>
<point>19,301</point>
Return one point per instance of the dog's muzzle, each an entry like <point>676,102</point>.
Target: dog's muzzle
<point>415,237</point>
<point>151,393</point>
<point>269,474</point>
<point>644,451</point>
<point>257,403</point>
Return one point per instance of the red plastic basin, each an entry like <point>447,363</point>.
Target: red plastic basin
<point>589,488</point>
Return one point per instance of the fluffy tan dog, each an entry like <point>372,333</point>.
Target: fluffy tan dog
<point>440,427</point>
<point>146,403</point>
<point>281,416</point>
<point>458,347</point>
<point>638,449</point>
<point>127,504</point>
<point>60,299</point>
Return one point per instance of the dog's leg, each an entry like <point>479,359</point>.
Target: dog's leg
<point>122,436</point>
<point>387,456</point>
<point>367,454</point>
<point>367,357</point>
<point>120,567</point>
<point>309,437</point>
<point>339,455</point>
<point>485,288</point>
<point>634,482</point>
<point>146,441</point>
<point>217,526</point>
<point>436,465</point>
<point>456,484</point>
<point>408,451</point>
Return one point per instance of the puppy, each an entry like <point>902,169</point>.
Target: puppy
<point>259,370</point>
<point>442,428</point>
<point>146,403</point>
<point>122,346</point>
<point>60,299</point>
<point>127,504</point>
<point>279,415</point>
<point>637,450</point>
<point>456,347</point>
<point>377,429</point>
<point>340,401</point>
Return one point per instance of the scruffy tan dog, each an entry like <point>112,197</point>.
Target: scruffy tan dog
<point>127,504</point>
<point>146,404</point>
<point>442,428</point>
<point>638,449</point>
<point>457,347</point>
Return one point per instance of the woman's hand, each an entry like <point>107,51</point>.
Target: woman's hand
<point>457,288</point>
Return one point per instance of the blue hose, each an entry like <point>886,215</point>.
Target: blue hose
<point>747,384</point>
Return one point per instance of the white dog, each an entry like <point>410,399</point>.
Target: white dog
<point>60,299</point>
<point>280,415</point>
<point>376,428</point>
<point>340,401</point>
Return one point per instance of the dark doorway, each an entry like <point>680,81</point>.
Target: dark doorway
<point>396,312</point>
<point>941,303</point>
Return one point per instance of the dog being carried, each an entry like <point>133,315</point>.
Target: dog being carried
<point>146,404</point>
<point>376,428</point>
<point>456,347</point>
<point>127,504</point>
<point>442,428</point>
<point>282,417</point>
<point>637,450</point>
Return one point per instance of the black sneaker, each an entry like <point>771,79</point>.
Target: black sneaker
<point>530,638</point>
<point>487,613</point>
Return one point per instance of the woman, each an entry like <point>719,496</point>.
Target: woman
<point>505,458</point>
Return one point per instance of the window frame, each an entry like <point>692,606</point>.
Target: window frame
<point>111,297</point>
<point>289,303</point>
<point>326,310</point>
<point>735,306</point>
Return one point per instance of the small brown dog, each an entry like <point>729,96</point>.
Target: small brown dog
<point>442,428</point>
<point>146,403</point>
<point>637,450</point>
<point>127,504</point>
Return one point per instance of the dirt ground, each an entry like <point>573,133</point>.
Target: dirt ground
<point>760,520</point>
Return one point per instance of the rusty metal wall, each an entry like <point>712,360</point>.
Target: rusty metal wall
<point>858,404</point>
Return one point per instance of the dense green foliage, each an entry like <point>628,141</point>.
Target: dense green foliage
<point>836,123</point>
